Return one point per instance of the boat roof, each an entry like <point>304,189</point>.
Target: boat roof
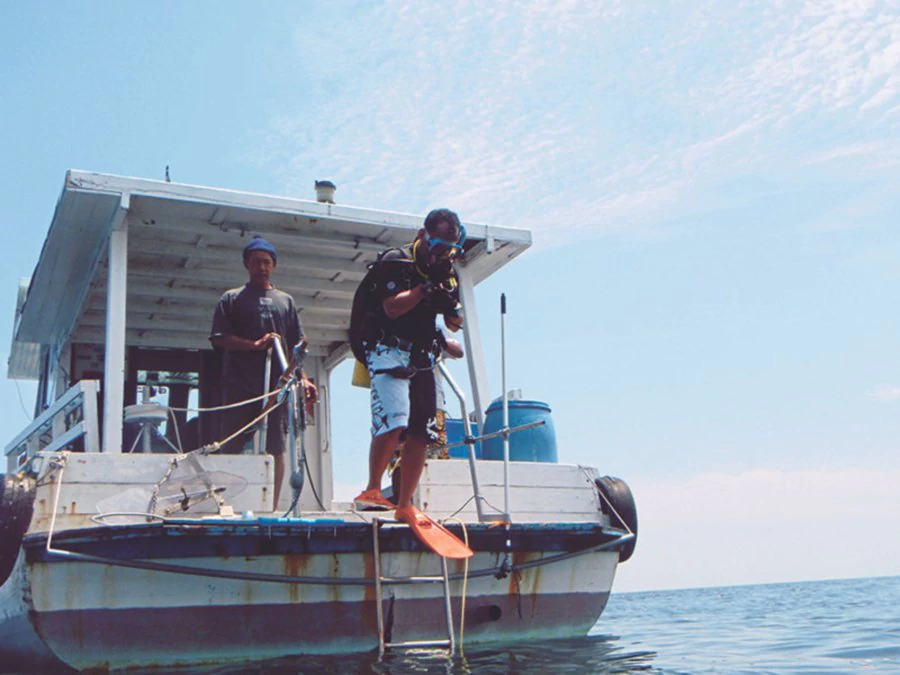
<point>184,251</point>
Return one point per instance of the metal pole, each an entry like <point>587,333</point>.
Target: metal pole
<point>448,607</point>
<point>505,406</point>
<point>146,437</point>
<point>292,438</point>
<point>264,429</point>
<point>279,352</point>
<point>296,409</point>
<point>474,347</point>
<point>470,442</point>
<point>376,558</point>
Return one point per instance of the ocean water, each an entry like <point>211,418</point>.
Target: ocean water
<point>845,626</point>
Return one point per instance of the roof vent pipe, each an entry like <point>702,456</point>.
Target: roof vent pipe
<point>325,191</point>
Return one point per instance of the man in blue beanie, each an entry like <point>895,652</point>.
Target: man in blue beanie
<point>260,244</point>
<point>246,322</point>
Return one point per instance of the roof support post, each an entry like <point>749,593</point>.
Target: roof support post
<point>474,347</point>
<point>114,366</point>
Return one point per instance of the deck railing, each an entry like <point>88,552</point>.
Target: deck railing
<point>71,419</point>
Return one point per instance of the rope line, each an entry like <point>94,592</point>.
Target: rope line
<point>466,503</point>
<point>214,447</point>
<point>465,583</point>
<point>228,406</point>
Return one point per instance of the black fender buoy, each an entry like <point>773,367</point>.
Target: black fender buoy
<point>16,509</point>
<point>618,494</point>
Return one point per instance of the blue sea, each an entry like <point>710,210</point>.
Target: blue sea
<point>846,626</point>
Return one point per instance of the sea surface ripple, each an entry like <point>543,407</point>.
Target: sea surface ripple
<point>828,627</point>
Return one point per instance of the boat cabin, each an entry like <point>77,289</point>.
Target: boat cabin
<point>121,302</point>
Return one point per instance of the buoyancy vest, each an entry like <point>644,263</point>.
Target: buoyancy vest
<point>395,268</point>
<point>366,317</point>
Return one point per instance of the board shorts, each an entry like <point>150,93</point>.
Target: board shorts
<point>397,402</point>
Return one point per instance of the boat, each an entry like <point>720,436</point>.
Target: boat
<point>128,541</point>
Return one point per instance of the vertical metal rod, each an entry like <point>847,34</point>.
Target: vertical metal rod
<point>448,606</point>
<point>146,437</point>
<point>474,347</point>
<point>505,406</point>
<point>376,554</point>
<point>292,434</point>
<point>467,428</point>
<point>294,404</point>
<point>279,352</point>
<point>292,440</point>
<point>264,428</point>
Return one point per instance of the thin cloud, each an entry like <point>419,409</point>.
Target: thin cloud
<point>576,119</point>
<point>865,156</point>
<point>886,393</point>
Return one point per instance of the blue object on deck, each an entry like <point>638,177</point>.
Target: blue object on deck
<point>281,520</point>
<point>456,433</point>
<point>531,445</point>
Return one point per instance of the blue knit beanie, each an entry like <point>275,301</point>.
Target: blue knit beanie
<point>259,244</point>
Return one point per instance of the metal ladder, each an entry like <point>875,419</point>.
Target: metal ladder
<point>380,581</point>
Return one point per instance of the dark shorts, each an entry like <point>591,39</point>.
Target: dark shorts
<point>235,418</point>
<point>422,403</point>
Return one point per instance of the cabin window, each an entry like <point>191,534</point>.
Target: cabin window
<point>173,380</point>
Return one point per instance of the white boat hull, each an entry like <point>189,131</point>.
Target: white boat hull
<point>90,615</point>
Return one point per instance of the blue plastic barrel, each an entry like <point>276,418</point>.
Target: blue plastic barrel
<point>456,432</point>
<point>531,445</point>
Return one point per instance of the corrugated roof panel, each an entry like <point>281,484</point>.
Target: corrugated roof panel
<point>184,251</point>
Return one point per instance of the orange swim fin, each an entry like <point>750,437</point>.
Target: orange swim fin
<point>434,535</point>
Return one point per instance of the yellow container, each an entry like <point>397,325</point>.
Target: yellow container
<point>360,376</point>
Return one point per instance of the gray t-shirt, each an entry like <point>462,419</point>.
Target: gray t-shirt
<point>250,313</point>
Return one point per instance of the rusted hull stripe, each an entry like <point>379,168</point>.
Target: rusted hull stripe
<point>222,634</point>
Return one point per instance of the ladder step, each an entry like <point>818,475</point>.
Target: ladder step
<point>379,599</point>
<point>412,644</point>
